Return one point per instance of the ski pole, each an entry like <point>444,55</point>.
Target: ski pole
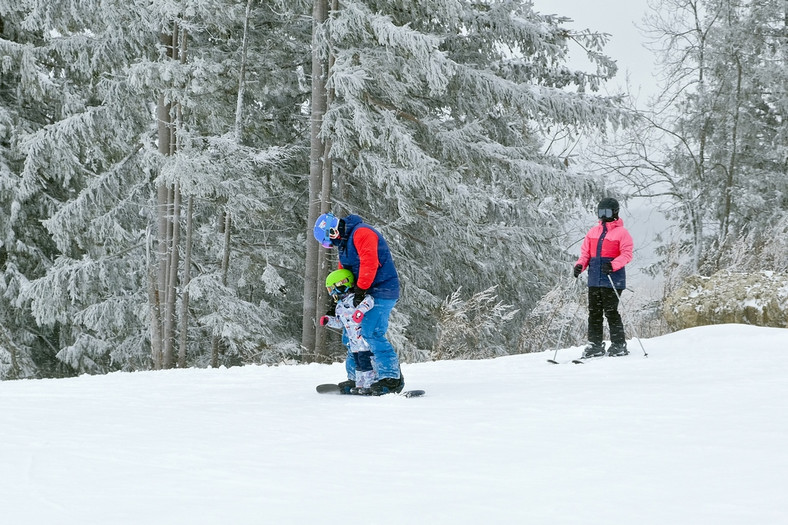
<point>561,333</point>
<point>631,324</point>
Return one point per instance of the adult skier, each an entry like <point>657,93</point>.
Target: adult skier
<point>348,317</point>
<point>364,252</point>
<point>606,250</point>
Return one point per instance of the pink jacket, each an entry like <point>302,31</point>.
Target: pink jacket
<point>608,241</point>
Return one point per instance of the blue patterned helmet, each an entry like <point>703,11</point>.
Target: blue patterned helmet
<point>326,227</point>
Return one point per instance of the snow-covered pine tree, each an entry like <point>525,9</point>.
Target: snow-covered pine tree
<point>31,98</point>
<point>104,149</point>
<point>438,124</point>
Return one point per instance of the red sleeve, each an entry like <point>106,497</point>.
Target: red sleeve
<point>366,243</point>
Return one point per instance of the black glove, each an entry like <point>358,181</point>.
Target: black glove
<point>358,295</point>
<point>606,267</point>
<point>577,270</point>
<point>332,309</point>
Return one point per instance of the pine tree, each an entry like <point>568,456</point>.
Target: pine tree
<point>31,99</point>
<point>110,231</point>
<point>437,128</point>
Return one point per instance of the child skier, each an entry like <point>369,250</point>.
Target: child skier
<point>360,372</point>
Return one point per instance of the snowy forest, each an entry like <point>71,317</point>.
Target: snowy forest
<point>162,165</point>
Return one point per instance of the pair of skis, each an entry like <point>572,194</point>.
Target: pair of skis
<point>577,361</point>
<point>582,360</point>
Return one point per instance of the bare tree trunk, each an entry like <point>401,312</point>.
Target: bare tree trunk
<point>13,350</point>
<point>153,307</point>
<point>697,234</point>
<point>186,280</point>
<point>316,175</point>
<point>730,170</point>
<point>164,288</point>
<point>322,299</point>
<point>172,280</point>
<point>225,268</point>
<point>158,294</point>
<point>242,74</point>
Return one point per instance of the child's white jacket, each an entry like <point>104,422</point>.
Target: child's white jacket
<point>344,319</point>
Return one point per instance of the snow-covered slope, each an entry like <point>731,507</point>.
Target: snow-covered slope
<point>694,434</point>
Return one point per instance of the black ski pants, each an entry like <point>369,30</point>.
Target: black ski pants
<point>604,301</point>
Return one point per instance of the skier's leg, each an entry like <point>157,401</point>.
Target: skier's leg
<point>614,322</point>
<point>365,375</point>
<point>373,330</point>
<point>350,368</point>
<point>595,309</point>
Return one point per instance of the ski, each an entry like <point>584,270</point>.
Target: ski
<point>332,388</point>
<point>578,361</point>
<point>582,360</point>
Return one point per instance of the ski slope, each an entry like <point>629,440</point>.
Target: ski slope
<point>697,433</point>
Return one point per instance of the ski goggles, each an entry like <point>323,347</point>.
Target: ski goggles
<point>334,289</point>
<point>604,213</point>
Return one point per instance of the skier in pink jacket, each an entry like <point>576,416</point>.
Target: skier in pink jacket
<point>606,250</point>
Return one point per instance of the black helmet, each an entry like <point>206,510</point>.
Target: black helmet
<point>607,209</point>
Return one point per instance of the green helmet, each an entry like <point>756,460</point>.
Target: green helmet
<point>339,282</point>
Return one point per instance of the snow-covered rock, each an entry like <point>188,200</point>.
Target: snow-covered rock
<point>759,298</point>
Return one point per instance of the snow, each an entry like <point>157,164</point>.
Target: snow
<point>695,433</point>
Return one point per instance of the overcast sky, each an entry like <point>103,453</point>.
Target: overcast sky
<point>618,18</point>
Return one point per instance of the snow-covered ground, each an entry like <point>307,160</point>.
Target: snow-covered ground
<point>694,434</point>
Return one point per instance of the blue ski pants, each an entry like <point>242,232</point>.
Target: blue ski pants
<point>373,329</point>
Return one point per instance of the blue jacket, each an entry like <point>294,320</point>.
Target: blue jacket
<point>365,253</point>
